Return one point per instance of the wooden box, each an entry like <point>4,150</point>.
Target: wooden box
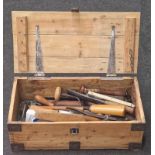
<point>75,51</point>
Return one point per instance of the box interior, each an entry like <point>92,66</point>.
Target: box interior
<point>27,88</point>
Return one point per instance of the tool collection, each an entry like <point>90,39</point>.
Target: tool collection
<point>77,105</point>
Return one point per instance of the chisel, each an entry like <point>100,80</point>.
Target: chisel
<point>108,98</point>
<point>115,110</point>
<point>41,113</point>
<point>96,100</point>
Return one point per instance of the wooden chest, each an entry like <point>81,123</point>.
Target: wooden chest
<point>75,51</point>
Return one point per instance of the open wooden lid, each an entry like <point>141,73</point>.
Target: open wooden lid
<point>75,42</point>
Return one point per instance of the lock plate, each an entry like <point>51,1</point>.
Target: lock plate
<point>74,131</point>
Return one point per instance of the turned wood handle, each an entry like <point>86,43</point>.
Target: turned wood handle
<point>129,110</point>
<point>42,100</point>
<point>108,98</point>
<point>57,93</point>
<point>115,110</point>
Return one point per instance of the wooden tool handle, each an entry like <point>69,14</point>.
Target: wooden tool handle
<point>66,107</point>
<point>59,117</point>
<point>57,94</point>
<point>115,110</point>
<point>67,103</point>
<point>42,100</point>
<point>48,114</point>
<point>108,98</point>
<point>129,110</point>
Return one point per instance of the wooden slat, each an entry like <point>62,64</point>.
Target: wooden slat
<point>22,49</point>
<point>74,46</point>
<point>15,99</point>
<point>139,105</point>
<point>76,65</point>
<point>129,45</point>
<point>96,23</point>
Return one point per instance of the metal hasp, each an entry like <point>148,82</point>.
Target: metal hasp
<point>111,64</point>
<point>39,63</point>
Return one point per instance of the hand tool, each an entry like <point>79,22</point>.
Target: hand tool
<point>30,115</point>
<point>57,94</point>
<point>77,110</point>
<point>42,100</point>
<point>23,106</point>
<point>104,117</point>
<point>96,100</point>
<point>84,97</point>
<point>54,115</point>
<point>67,103</point>
<point>85,90</point>
<point>84,112</point>
<point>111,99</point>
<point>116,110</point>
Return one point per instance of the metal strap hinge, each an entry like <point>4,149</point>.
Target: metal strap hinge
<point>39,62</point>
<point>111,71</point>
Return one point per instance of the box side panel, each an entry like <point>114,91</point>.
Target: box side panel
<point>137,99</point>
<point>89,136</point>
<point>46,87</point>
<point>15,99</point>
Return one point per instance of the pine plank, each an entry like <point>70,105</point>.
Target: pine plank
<point>96,23</point>
<point>129,44</point>
<point>139,105</point>
<point>15,98</point>
<point>74,46</point>
<point>22,45</point>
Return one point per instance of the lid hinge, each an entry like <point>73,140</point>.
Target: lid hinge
<point>111,71</point>
<point>39,62</point>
